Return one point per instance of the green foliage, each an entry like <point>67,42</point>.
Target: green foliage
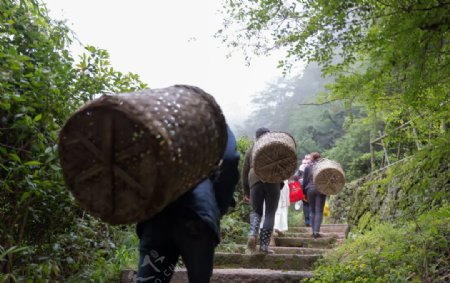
<point>233,228</point>
<point>242,209</point>
<point>352,149</point>
<point>405,42</point>
<point>295,217</point>
<point>89,251</point>
<point>287,105</point>
<point>243,144</point>
<point>35,69</point>
<point>95,75</point>
<point>415,251</point>
<point>425,178</point>
<point>389,57</point>
<point>112,250</point>
<point>235,225</point>
<point>401,192</point>
<point>39,87</point>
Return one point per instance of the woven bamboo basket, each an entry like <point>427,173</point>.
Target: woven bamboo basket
<point>126,157</point>
<point>328,177</point>
<point>274,157</point>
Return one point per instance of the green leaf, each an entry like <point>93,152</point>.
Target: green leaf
<point>37,118</point>
<point>32,163</point>
<point>4,167</point>
<point>6,105</point>
<point>25,196</point>
<point>55,167</point>
<point>11,250</point>
<point>15,157</point>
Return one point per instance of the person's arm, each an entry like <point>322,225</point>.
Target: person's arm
<point>245,171</point>
<point>306,177</point>
<point>228,176</point>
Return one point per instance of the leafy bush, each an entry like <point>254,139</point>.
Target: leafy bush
<point>295,217</point>
<point>90,251</point>
<point>401,192</point>
<point>233,228</point>
<point>242,209</point>
<point>235,224</point>
<point>416,251</point>
<point>115,250</point>
<point>43,234</point>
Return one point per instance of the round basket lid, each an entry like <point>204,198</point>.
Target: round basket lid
<point>328,177</point>
<point>274,157</point>
<point>125,157</point>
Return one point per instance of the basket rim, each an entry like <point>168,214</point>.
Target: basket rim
<point>278,132</point>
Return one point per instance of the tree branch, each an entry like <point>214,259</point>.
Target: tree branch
<point>323,103</point>
<point>337,99</point>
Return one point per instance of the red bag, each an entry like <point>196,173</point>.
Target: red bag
<point>295,191</point>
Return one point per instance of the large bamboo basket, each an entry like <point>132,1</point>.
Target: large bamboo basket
<point>328,177</point>
<point>274,157</point>
<point>126,157</point>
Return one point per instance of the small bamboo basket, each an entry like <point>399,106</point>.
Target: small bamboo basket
<point>328,177</point>
<point>126,157</point>
<point>274,157</point>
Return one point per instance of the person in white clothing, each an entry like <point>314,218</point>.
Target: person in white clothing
<point>281,216</point>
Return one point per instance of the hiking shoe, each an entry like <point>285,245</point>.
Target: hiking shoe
<point>317,235</point>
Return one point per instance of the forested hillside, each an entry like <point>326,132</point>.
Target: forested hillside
<point>291,105</point>
<point>373,66</point>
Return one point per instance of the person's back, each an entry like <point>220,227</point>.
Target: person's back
<point>316,199</point>
<point>259,193</point>
<point>190,226</point>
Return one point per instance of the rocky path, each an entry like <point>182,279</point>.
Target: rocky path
<point>295,253</point>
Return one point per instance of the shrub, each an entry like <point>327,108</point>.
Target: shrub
<point>416,251</point>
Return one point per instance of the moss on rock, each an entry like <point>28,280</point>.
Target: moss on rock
<point>401,192</point>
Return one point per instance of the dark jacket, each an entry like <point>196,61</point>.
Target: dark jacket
<point>212,197</point>
<point>249,178</point>
<point>226,179</point>
<point>308,177</point>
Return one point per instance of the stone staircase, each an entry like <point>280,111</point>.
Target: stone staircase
<point>295,253</point>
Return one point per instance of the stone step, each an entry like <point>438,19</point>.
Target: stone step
<point>234,275</point>
<point>265,261</point>
<point>249,276</point>
<point>319,243</point>
<point>232,248</point>
<point>326,228</point>
<point>309,235</point>
<point>295,254</point>
<point>226,263</point>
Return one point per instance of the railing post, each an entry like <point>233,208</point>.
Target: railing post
<point>384,148</point>
<point>372,153</point>
<point>416,138</point>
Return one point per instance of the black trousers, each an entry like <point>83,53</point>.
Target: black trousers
<point>167,236</point>
<point>270,194</point>
<point>306,212</point>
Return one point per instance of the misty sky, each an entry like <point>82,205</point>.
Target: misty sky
<point>169,42</point>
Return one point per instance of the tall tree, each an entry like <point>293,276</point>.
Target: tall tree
<point>393,54</point>
<point>288,104</point>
